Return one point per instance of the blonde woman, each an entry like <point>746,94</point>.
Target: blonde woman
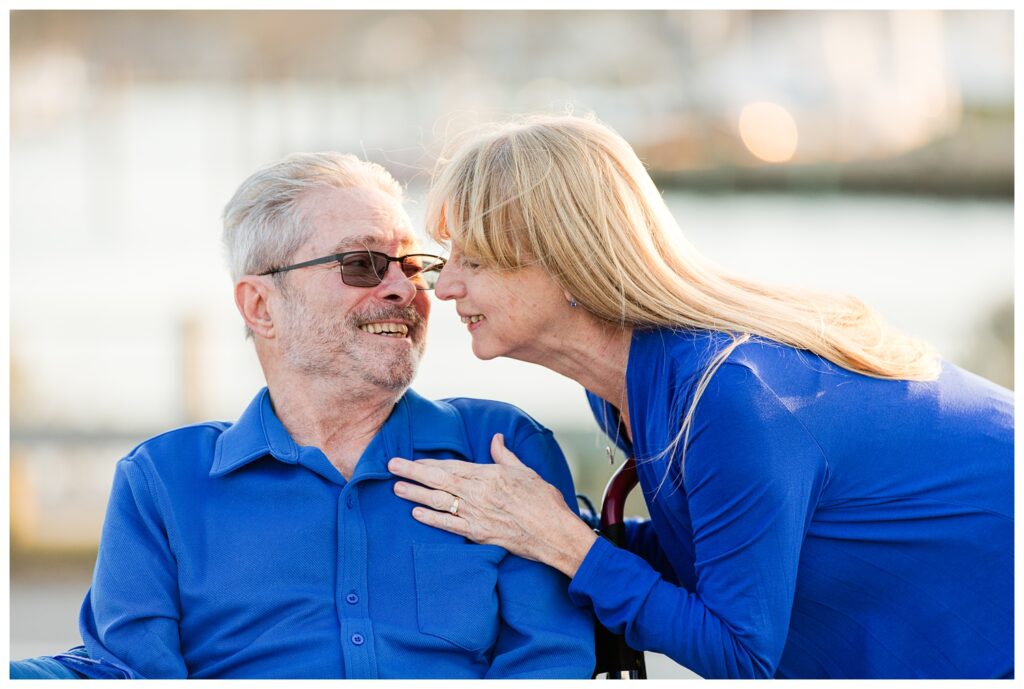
<point>827,497</point>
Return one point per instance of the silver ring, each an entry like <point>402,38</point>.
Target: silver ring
<point>454,509</point>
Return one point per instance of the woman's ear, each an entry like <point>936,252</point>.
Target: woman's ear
<point>251,298</point>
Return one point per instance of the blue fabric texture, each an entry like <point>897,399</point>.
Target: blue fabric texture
<point>74,663</point>
<point>43,667</point>
<point>229,551</point>
<point>821,524</point>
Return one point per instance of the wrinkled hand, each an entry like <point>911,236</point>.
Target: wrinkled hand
<point>505,504</point>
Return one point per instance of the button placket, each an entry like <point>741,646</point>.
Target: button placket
<point>356,628</point>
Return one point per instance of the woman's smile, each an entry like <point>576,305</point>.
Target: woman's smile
<point>473,322</point>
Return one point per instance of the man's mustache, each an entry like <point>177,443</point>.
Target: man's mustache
<point>404,313</point>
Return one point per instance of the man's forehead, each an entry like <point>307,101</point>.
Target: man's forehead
<point>376,240</point>
<point>356,217</point>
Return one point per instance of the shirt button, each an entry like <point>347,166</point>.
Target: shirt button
<point>358,639</point>
<point>351,599</point>
<point>349,502</point>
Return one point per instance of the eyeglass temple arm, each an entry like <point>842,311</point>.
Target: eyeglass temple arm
<point>304,264</point>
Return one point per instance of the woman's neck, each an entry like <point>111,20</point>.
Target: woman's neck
<point>595,355</point>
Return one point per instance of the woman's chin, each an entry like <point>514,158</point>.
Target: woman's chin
<point>483,352</point>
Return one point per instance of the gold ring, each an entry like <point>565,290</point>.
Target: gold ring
<point>454,509</point>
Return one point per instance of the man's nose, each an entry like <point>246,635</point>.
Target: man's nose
<point>396,287</point>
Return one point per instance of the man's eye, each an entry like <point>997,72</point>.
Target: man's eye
<point>357,264</point>
<point>470,264</point>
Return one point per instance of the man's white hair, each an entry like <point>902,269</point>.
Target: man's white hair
<point>263,227</point>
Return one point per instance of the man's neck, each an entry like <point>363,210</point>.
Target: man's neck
<point>318,415</point>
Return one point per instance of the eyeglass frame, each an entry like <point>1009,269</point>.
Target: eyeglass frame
<point>340,257</point>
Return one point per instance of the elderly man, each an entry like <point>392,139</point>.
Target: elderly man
<point>275,546</point>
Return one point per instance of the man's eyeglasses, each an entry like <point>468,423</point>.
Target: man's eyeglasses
<point>366,268</point>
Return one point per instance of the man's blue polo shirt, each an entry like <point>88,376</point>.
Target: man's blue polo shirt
<point>231,551</point>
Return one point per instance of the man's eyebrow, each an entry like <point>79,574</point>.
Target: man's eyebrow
<point>362,241</point>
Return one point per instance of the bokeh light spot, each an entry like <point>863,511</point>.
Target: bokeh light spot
<point>768,131</point>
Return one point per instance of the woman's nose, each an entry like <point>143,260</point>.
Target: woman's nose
<point>448,285</point>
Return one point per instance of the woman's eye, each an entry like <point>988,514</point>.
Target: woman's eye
<point>470,265</point>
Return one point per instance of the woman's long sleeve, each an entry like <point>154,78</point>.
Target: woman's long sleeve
<point>753,477</point>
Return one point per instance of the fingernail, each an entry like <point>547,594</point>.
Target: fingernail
<point>418,512</point>
<point>400,488</point>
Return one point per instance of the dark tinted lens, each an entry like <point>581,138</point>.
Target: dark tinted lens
<point>411,267</point>
<point>423,269</point>
<point>363,269</point>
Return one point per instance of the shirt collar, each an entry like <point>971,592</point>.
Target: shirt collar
<point>415,425</point>
<point>257,433</point>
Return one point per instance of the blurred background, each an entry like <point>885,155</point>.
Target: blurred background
<point>863,152</point>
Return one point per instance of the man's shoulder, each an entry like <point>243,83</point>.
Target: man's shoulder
<point>534,444</point>
<point>493,415</point>
<point>195,442</point>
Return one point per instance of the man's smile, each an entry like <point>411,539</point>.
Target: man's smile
<point>386,328</point>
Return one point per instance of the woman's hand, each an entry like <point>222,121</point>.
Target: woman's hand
<point>505,504</point>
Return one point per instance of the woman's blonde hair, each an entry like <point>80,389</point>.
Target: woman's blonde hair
<point>570,194</point>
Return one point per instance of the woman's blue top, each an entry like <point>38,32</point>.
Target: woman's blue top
<point>827,524</point>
